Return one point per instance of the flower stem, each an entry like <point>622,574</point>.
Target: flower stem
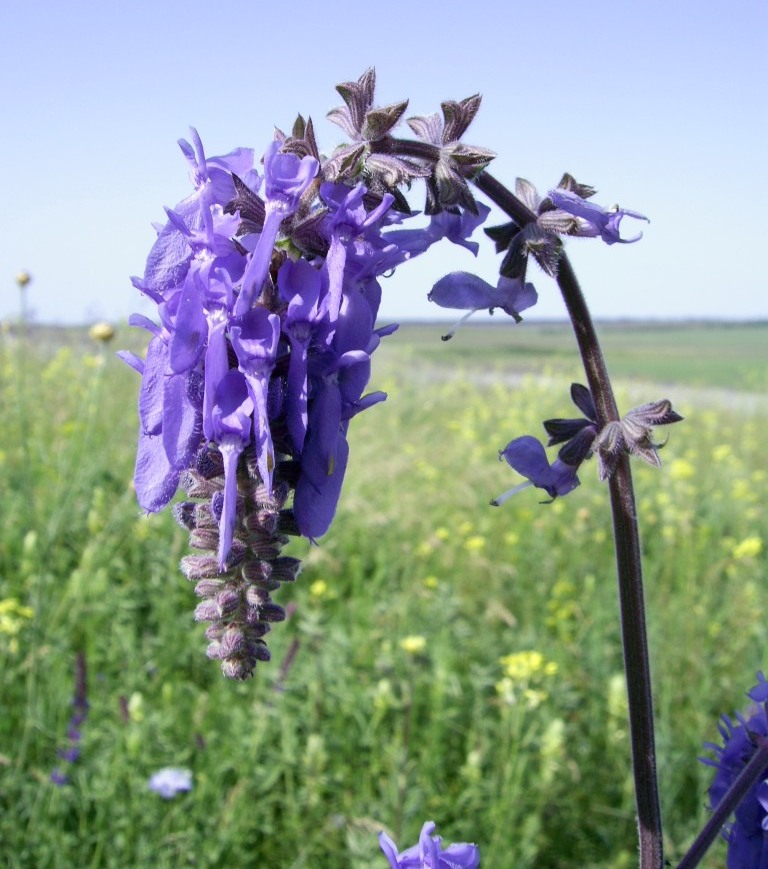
<point>625,529</point>
<point>627,546</point>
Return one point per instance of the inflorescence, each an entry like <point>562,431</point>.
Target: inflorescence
<point>266,283</point>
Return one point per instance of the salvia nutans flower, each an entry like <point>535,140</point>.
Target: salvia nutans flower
<point>266,282</point>
<point>747,834</point>
<point>69,753</point>
<point>581,438</point>
<point>564,211</point>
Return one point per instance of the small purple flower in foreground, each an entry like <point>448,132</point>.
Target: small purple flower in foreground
<point>747,835</point>
<point>596,220</point>
<point>526,455</point>
<point>428,854</point>
<point>468,292</point>
<point>168,782</point>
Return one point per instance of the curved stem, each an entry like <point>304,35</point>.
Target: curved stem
<point>627,546</point>
<point>625,528</point>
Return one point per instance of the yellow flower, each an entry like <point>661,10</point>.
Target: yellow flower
<point>12,614</point>
<point>101,332</point>
<point>474,544</point>
<point>741,490</point>
<point>318,588</point>
<point>414,644</point>
<point>431,582</point>
<point>522,666</point>
<point>534,698</point>
<point>681,469</point>
<point>10,607</point>
<point>749,547</point>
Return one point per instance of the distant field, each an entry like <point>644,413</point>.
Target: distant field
<point>733,356</point>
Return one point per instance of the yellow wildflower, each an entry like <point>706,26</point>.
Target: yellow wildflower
<point>414,644</point>
<point>749,547</point>
<point>681,469</point>
<point>318,588</point>
<point>101,332</point>
<point>475,543</point>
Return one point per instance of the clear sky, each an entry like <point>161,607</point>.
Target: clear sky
<point>661,105</point>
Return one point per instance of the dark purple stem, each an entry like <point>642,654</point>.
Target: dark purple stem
<point>625,529</point>
<point>627,545</point>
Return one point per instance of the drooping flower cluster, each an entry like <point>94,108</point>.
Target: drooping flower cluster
<point>266,282</point>
<point>581,438</point>
<point>429,853</point>
<point>747,835</point>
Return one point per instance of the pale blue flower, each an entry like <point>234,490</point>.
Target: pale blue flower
<point>169,781</point>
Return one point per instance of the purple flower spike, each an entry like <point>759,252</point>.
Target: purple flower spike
<point>526,455</point>
<point>471,293</point>
<point>428,854</point>
<point>597,220</point>
<point>169,782</point>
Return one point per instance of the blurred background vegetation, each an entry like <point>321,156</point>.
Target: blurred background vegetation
<point>442,659</point>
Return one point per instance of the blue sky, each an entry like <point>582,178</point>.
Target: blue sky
<point>660,105</point>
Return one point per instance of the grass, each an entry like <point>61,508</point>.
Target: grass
<point>392,697</point>
<point>729,356</point>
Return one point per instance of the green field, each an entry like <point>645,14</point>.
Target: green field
<point>442,660</point>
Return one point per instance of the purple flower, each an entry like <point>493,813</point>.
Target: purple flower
<point>596,220</point>
<point>428,854</point>
<point>255,341</point>
<point>348,219</point>
<point>578,435</point>
<point>169,781</point>
<point>632,434</point>
<point>286,178</point>
<point>80,706</point>
<point>471,293</point>
<point>305,323</point>
<point>747,835</point>
<point>267,292</point>
<point>232,411</point>
<point>526,455</point>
